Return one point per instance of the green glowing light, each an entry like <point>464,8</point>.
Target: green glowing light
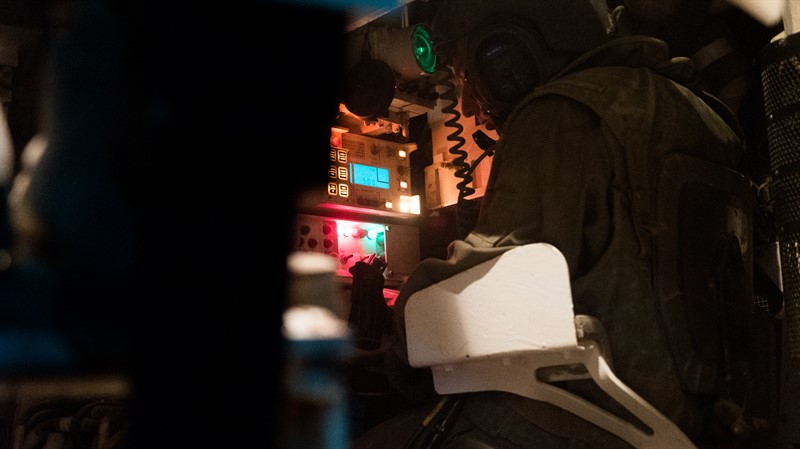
<point>422,45</point>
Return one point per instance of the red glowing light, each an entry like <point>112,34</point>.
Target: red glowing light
<point>390,296</point>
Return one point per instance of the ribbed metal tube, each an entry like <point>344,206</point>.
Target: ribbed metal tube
<point>781,82</point>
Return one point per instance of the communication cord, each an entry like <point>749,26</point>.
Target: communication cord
<point>466,210</point>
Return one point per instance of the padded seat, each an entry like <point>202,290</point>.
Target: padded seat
<point>508,324</point>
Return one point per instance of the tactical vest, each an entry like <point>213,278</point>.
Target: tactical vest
<point>701,269</point>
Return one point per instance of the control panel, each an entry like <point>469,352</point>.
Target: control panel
<point>370,175</point>
<point>350,241</point>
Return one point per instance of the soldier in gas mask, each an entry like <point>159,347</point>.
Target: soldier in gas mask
<point>591,122</point>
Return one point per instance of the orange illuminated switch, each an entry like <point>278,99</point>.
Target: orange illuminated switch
<point>341,156</point>
<point>333,189</point>
<point>343,173</point>
<point>344,190</point>
<point>332,172</point>
<point>333,154</point>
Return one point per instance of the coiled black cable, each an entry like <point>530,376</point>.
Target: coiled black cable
<point>467,211</point>
<point>460,161</point>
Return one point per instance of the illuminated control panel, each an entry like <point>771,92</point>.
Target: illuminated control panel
<point>350,241</point>
<point>370,175</point>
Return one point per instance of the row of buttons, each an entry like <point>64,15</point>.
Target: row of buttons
<point>342,190</point>
<point>335,172</point>
<point>338,155</point>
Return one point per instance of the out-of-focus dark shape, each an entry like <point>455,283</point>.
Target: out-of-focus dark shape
<point>369,88</point>
<point>156,235</point>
